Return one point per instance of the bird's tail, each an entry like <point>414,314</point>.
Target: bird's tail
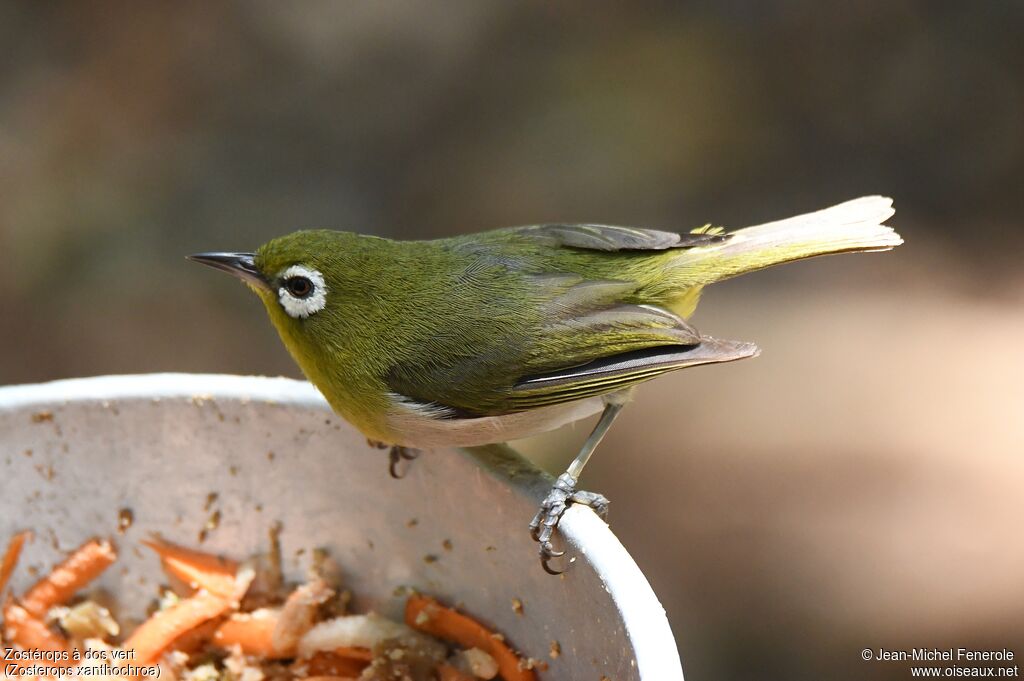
<point>849,227</point>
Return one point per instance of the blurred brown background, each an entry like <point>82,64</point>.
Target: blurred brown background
<point>858,485</point>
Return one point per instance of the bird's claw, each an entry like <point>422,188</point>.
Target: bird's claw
<point>597,502</point>
<point>562,495</point>
<point>396,455</point>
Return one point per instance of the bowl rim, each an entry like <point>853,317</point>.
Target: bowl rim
<point>643,616</point>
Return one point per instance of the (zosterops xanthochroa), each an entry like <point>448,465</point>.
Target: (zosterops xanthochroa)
<point>500,335</point>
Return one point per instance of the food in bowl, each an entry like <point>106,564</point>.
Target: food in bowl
<point>223,620</point>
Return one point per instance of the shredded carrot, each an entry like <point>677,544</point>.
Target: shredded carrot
<point>81,567</point>
<point>253,633</point>
<point>11,556</point>
<point>196,638</point>
<point>446,672</point>
<point>160,631</point>
<point>429,616</point>
<point>335,663</point>
<point>24,630</point>
<point>210,616</point>
<point>354,653</point>
<point>197,569</point>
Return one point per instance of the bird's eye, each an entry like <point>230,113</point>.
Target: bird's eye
<point>300,287</point>
<point>302,292</point>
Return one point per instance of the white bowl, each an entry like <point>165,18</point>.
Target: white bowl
<point>76,452</point>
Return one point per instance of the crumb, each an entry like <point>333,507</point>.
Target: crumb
<point>211,499</point>
<point>270,456</point>
<point>479,662</point>
<point>556,649</point>
<point>46,471</point>
<point>212,523</point>
<point>125,518</point>
<point>412,522</point>
<point>517,606</point>
<point>447,544</point>
<point>232,470</point>
<point>490,548</point>
<point>533,663</point>
<point>42,416</point>
<point>275,574</point>
<point>430,558</point>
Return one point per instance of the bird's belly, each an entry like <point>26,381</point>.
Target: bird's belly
<point>423,429</point>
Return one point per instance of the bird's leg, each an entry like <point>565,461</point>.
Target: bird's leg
<point>564,492</point>
<point>396,454</point>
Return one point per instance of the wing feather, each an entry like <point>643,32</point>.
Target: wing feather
<point>616,238</point>
<point>620,371</point>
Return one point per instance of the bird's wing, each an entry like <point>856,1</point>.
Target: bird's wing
<point>584,339</point>
<point>614,238</point>
<point>619,371</point>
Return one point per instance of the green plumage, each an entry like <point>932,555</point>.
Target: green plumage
<point>462,324</point>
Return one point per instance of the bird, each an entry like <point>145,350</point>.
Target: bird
<point>499,335</point>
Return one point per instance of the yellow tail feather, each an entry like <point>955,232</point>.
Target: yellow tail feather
<point>852,226</point>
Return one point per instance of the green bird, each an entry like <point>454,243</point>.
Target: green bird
<point>500,335</point>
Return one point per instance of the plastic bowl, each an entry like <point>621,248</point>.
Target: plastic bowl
<point>78,452</point>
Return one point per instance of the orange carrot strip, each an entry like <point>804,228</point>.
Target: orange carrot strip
<point>332,663</point>
<point>253,633</point>
<point>197,569</point>
<point>83,565</point>
<point>160,631</point>
<point>429,616</point>
<point>195,639</point>
<point>11,556</point>
<point>31,633</point>
<point>354,653</point>
<point>446,672</point>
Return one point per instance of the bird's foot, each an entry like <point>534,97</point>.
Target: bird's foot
<point>562,495</point>
<point>396,455</point>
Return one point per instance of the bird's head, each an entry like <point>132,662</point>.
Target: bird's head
<point>304,279</point>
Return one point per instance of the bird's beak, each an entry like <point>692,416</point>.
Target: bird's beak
<point>242,265</point>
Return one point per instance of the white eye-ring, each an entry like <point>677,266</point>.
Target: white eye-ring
<point>302,291</point>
